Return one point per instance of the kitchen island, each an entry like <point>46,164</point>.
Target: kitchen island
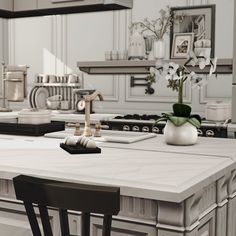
<point>165,190</point>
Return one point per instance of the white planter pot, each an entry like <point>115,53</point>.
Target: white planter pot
<point>183,135</point>
<point>159,49</point>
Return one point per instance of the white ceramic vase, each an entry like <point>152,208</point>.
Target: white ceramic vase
<point>159,47</point>
<point>183,135</point>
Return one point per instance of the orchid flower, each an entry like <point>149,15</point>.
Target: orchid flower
<point>155,72</point>
<point>170,71</point>
<point>213,66</point>
<point>193,58</point>
<point>197,81</point>
<point>177,75</point>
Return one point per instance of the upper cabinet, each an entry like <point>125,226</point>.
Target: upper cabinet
<point>6,5</point>
<point>25,5</point>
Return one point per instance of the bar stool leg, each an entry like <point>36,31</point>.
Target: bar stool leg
<point>85,224</point>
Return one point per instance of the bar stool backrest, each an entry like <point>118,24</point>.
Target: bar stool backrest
<point>66,196</point>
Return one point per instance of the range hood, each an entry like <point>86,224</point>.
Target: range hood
<point>122,4</point>
<point>56,7</point>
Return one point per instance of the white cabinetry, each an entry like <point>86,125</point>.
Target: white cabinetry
<point>14,221</point>
<point>6,5</point>
<point>207,225</point>
<point>43,4</point>
<point>122,228</point>
<point>24,5</point>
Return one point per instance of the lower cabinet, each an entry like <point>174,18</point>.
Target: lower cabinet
<point>121,228</point>
<point>207,225</point>
<point>14,222</point>
<point>17,227</point>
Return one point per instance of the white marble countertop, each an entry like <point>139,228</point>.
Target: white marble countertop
<point>204,146</point>
<point>147,169</point>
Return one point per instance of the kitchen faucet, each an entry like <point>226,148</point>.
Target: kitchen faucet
<point>88,98</point>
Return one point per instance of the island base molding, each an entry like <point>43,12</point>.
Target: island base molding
<point>208,212</point>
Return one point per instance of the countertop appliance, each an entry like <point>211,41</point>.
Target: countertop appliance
<point>145,123</point>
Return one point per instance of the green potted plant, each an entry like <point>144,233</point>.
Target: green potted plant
<point>181,127</point>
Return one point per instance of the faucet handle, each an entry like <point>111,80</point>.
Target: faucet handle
<point>77,128</point>
<point>98,128</point>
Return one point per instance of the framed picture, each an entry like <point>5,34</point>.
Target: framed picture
<point>199,20</point>
<point>182,45</point>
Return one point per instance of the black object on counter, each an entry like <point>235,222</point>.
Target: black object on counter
<point>31,129</point>
<point>79,149</point>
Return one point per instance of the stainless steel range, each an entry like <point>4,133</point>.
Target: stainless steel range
<point>145,123</point>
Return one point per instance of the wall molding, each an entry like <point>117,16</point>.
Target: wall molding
<point>11,35</point>
<point>155,98</point>
<point>204,97</point>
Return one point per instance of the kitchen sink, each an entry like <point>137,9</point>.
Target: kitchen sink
<point>107,136</point>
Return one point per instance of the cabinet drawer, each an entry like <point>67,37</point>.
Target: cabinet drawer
<point>122,228</point>
<point>44,4</point>
<point>25,5</point>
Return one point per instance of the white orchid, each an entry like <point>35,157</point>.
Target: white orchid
<point>170,71</point>
<point>193,59</point>
<point>155,72</point>
<point>177,75</point>
<point>173,67</point>
<point>197,81</point>
<point>152,70</point>
<point>213,66</point>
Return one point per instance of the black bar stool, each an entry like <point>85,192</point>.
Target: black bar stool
<point>66,196</point>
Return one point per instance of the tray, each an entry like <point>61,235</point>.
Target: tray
<point>31,129</point>
<point>78,149</point>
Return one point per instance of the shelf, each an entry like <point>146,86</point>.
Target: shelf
<point>58,84</point>
<point>224,66</point>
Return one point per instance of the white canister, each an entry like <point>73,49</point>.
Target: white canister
<point>159,49</point>
<point>218,111</point>
<point>137,48</point>
<point>31,116</point>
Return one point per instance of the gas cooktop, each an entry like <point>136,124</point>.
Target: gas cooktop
<point>146,123</point>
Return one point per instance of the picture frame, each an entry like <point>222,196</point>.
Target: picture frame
<point>199,20</point>
<point>182,45</point>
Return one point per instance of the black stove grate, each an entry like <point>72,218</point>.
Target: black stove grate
<point>146,123</point>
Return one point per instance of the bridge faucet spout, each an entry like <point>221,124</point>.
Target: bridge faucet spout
<point>88,99</point>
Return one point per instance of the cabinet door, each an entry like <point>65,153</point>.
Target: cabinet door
<point>207,225</point>
<point>14,221</point>
<point>6,5</point>
<point>120,228</point>
<point>65,3</point>
<point>24,5</point>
